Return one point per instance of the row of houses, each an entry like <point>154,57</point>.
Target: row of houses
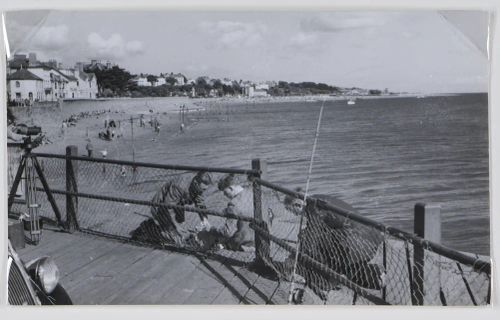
<point>29,81</point>
<point>176,79</point>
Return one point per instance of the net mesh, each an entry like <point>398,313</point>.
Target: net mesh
<point>340,260</point>
<point>154,206</point>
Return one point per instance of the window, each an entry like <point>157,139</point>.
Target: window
<point>18,95</point>
<point>18,84</point>
<point>78,83</point>
<point>72,95</point>
<point>30,95</point>
<point>55,85</point>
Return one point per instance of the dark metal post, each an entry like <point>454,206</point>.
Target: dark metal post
<point>427,225</point>
<point>262,245</point>
<point>16,182</point>
<point>45,185</point>
<point>71,187</point>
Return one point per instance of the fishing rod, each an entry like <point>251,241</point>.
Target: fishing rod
<point>297,249</point>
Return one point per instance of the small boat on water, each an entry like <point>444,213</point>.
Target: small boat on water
<point>351,101</point>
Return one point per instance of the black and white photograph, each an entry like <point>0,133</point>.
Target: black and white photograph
<point>248,157</point>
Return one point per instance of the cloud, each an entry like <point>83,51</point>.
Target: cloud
<point>341,21</point>
<point>231,34</point>
<point>115,47</point>
<point>51,38</point>
<point>302,40</point>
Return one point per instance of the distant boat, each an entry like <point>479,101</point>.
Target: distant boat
<point>351,101</point>
<point>420,96</point>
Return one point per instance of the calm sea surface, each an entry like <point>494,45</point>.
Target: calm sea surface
<point>380,155</point>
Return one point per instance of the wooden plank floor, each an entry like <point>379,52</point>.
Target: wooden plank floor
<point>98,270</point>
<point>103,271</point>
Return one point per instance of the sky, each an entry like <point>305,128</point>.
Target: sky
<point>407,51</point>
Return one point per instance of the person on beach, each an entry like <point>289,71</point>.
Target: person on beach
<point>337,242</point>
<point>167,224</point>
<point>90,148</point>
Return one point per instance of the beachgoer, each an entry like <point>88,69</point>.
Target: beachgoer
<point>182,127</point>
<point>344,246</point>
<point>90,148</point>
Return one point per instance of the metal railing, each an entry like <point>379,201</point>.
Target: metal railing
<point>107,198</point>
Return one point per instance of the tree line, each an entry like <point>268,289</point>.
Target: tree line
<point>116,82</point>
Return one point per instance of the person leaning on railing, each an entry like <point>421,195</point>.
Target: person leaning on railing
<point>166,225</point>
<point>346,247</point>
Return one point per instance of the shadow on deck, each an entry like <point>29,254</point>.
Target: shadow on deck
<point>102,271</point>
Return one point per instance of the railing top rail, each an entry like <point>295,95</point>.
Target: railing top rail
<point>153,204</point>
<point>150,165</point>
<point>476,263</point>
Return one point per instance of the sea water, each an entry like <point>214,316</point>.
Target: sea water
<point>380,155</point>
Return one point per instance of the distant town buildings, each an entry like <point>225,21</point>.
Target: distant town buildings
<point>141,81</point>
<point>29,81</point>
<point>177,79</point>
<point>251,89</point>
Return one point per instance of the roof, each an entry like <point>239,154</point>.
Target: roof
<point>86,76</point>
<point>71,78</point>
<point>23,74</point>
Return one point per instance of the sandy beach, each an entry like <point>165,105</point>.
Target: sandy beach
<point>89,123</point>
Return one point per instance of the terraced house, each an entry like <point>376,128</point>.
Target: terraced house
<point>30,81</point>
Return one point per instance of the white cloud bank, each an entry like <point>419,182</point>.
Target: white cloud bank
<point>51,38</point>
<point>340,21</point>
<point>232,34</point>
<point>114,47</point>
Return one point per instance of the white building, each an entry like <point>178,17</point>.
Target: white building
<point>141,81</point>
<point>54,82</point>
<point>180,80</point>
<point>82,85</point>
<point>262,86</point>
<point>252,90</point>
<point>24,87</point>
<point>160,81</point>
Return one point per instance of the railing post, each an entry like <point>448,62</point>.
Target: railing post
<point>71,187</point>
<point>262,245</point>
<point>427,225</point>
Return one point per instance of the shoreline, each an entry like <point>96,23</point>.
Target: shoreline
<point>166,109</point>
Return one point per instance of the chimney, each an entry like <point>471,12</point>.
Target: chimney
<point>32,59</point>
<point>52,63</point>
<point>79,66</point>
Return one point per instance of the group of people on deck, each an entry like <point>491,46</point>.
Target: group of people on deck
<point>167,225</point>
<point>326,237</point>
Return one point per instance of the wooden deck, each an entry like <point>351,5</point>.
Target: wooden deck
<point>103,271</point>
<point>97,270</point>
